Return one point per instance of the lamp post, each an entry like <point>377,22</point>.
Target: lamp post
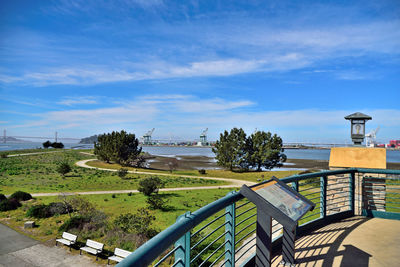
<point>358,120</point>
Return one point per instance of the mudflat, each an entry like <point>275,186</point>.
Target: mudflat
<point>203,162</point>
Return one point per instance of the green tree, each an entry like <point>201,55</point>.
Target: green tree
<point>47,144</point>
<point>120,147</point>
<point>264,150</point>
<point>57,145</point>
<point>230,149</point>
<point>150,185</point>
<point>63,168</point>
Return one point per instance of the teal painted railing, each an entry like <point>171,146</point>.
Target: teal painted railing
<point>223,232</point>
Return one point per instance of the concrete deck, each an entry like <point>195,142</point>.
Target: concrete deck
<point>17,250</point>
<point>356,241</point>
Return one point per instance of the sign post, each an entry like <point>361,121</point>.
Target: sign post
<point>274,199</point>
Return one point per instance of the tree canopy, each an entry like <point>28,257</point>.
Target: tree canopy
<point>230,149</point>
<point>264,150</point>
<point>234,150</point>
<point>120,147</point>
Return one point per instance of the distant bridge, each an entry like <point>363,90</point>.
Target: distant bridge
<point>176,141</point>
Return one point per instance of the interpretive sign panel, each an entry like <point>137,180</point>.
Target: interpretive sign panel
<point>279,200</point>
<point>282,198</point>
<point>274,199</point>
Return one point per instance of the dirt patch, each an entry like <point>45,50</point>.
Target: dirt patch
<point>182,162</point>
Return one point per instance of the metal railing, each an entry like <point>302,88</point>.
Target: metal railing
<point>222,233</point>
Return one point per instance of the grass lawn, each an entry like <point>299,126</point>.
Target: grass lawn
<point>252,176</point>
<point>178,202</point>
<point>37,173</point>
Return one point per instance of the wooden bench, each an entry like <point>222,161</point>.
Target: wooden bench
<point>67,239</point>
<point>92,247</point>
<point>119,255</point>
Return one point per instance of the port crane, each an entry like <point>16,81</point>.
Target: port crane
<point>147,137</point>
<point>203,137</point>
<point>371,137</point>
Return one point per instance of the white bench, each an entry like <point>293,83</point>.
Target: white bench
<point>119,255</point>
<point>92,247</point>
<point>67,239</point>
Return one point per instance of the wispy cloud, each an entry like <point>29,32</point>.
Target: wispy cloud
<point>78,100</point>
<point>102,74</point>
<point>180,115</point>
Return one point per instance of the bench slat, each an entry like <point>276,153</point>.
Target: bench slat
<point>69,236</point>
<point>94,244</point>
<point>65,241</point>
<point>91,250</point>
<point>121,253</point>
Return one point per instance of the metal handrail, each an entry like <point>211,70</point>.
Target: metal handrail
<point>147,253</point>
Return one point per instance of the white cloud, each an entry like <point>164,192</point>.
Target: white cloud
<point>78,100</point>
<point>185,116</point>
<point>101,74</point>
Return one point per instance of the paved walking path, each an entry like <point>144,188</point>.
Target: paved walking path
<point>32,153</point>
<point>234,182</point>
<point>19,250</point>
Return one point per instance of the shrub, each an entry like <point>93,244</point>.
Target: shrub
<point>21,196</point>
<point>3,155</point>
<point>139,223</point>
<point>156,202</point>
<point>150,185</point>
<point>75,222</point>
<point>9,204</point>
<point>82,206</point>
<point>63,168</point>
<point>38,211</point>
<point>202,171</point>
<point>2,197</point>
<point>122,172</point>
<point>59,208</point>
<point>113,196</point>
<point>45,211</point>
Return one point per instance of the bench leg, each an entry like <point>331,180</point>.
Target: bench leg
<point>80,252</point>
<point>56,243</point>
<point>69,247</point>
<point>108,262</point>
<point>96,257</point>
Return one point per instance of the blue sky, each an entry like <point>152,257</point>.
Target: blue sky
<point>295,68</point>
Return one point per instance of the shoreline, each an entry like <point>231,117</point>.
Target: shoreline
<point>203,162</point>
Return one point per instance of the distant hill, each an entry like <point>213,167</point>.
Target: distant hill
<point>89,140</point>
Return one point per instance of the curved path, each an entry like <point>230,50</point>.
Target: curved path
<point>234,182</point>
<point>82,163</point>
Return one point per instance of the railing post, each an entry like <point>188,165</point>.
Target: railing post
<point>351,189</point>
<point>230,234</point>
<point>322,209</point>
<point>182,254</point>
<point>295,186</point>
